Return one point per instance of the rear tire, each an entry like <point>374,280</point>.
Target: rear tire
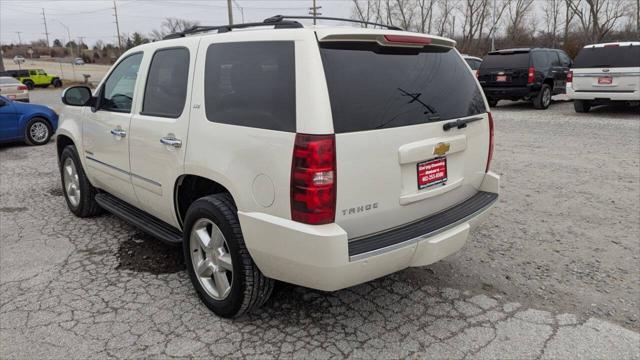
<point>29,84</point>
<point>37,132</point>
<point>220,268</point>
<point>543,99</point>
<point>582,106</point>
<point>78,191</point>
<point>492,102</point>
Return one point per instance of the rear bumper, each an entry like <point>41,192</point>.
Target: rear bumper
<point>321,257</point>
<point>603,95</point>
<point>500,93</point>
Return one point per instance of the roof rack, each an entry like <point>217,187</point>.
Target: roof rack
<point>278,18</point>
<point>278,22</point>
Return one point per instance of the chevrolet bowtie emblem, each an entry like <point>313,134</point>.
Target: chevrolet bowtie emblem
<point>441,148</point>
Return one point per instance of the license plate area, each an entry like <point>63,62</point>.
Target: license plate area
<point>432,172</point>
<point>605,80</point>
<point>501,78</point>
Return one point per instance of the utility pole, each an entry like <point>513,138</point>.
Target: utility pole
<point>314,11</point>
<point>115,12</point>
<point>19,37</point>
<point>68,35</point>
<point>81,38</point>
<point>493,33</point>
<point>230,11</point>
<point>46,32</point>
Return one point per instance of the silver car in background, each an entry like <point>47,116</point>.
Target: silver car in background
<point>13,89</point>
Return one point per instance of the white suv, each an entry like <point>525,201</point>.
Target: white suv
<point>604,73</point>
<point>319,156</point>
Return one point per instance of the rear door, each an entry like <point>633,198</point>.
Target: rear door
<point>504,69</point>
<point>607,68</point>
<point>395,161</point>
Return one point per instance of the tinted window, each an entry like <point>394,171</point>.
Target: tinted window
<point>117,93</point>
<point>251,84</point>
<point>565,60</point>
<point>614,56</point>
<point>374,87</point>
<point>473,63</point>
<point>509,60</point>
<point>540,59</point>
<point>166,89</point>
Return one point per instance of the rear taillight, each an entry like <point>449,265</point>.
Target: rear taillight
<point>531,76</point>
<point>22,87</point>
<point>570,76</point>
<point>313,179</point>
<point>490,156</point>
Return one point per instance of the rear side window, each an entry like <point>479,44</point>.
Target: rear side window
<point>375,87</point>
<point>508,60</point>
<point>166,89</point>
<point>565,60</point>
<point>251,84</point>
<point>611,56</point>
<point>541,59</point>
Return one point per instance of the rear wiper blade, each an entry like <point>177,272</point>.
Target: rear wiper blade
<point>460,123</point>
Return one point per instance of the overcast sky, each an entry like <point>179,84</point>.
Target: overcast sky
<point>94,19</point>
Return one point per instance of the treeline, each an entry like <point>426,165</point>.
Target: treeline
<point>566,24</point>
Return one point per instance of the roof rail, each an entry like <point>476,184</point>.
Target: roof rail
<point>278,21</point>
<point>278,18</point>
<point>284,24</point>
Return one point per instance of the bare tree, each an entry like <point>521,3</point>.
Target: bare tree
<point>518,10</point>
<point>445,7</point>
<point>474,13</point>
<point>551,10</point>
<point>597,17</point>
<point>170,26</point>
<point>425,8</point>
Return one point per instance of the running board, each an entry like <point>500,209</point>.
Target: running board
<point>140,219</point>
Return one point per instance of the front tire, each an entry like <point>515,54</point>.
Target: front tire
<point>78,191</point>
<point>219,265</point>
<point>38,131</point>
<point>581,106</point>
<point>543,99</point>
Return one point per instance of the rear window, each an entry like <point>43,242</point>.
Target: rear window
<point>510,60</point>
<point>614,56</point>
<point>251,84</point>
<point>375,87</point>
<point>8,81</point>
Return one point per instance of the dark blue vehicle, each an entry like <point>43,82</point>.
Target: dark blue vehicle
<point>31,123</point>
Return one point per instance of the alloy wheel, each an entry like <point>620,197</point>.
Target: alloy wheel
<point>39,132</point>
<point>71,182</point>
<point>211,259</point>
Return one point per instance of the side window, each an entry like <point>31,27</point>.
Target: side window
<point>166,89</point>
<point>32,72</point>
<point>117,92</point>
<point>540,59</point>
<point>555,59</point>
<point>41,72</point>
<point>565,60</point>
<point>251,84</point>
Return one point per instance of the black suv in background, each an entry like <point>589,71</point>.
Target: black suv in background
<point>530,74</point>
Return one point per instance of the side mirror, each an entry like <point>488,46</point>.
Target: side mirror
<point>77,96</point>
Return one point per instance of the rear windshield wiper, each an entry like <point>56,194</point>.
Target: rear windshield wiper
<point>460,123</point>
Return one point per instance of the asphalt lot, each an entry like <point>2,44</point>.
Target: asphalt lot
<point>553,272</point>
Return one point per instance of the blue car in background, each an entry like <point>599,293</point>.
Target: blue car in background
<point>31,123</point>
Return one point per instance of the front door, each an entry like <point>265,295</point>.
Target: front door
<point>106,130</point>
<point>159,128</point>
<point>8,120</point>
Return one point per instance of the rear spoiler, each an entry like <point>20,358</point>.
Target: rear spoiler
<point>392,39</point>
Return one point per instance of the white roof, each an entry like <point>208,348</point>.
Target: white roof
<point>619,43</point>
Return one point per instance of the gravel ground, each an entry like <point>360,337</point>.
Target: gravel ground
<point>552,273</point>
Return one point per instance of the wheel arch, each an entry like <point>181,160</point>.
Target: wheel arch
<point>190,187</point>
<point>549,81</point>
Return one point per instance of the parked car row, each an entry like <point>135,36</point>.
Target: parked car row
<point>601,74</point>
<point>13,89</point>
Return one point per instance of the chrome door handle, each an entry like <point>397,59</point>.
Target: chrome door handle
<point>170,140</point>
<point>118,132</point>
